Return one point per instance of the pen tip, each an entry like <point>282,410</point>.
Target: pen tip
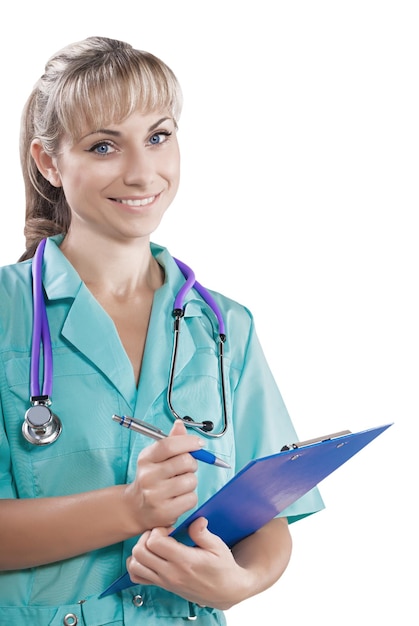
<point>221,463</point>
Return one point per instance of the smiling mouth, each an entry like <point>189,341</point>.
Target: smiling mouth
<point>135,202</point>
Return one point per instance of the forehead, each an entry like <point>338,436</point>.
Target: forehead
<point>137,121</point>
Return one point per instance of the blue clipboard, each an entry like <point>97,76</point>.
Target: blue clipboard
<point>267,486</point>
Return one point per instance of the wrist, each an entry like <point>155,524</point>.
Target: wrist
<point>130,517</point>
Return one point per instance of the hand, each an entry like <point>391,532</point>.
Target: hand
<point>205,574</point>
<point>165,482</point>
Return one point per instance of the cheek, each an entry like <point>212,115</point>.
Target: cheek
<point>172,168</point>
<point>81,183</point>
<point>176,176</point>
<point>74,189</point>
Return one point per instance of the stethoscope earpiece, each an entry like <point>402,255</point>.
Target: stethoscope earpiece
<point>206,426</point>
<point>41,425</point>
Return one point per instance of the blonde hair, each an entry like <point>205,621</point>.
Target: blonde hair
<point>89,83</point>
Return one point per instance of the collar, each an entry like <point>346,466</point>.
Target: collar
<point>60,279</point>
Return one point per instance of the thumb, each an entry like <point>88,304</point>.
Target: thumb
<point>201,536</point>
<point>178,428</point>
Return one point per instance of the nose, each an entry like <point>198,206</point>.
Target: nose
<point>139,168</point>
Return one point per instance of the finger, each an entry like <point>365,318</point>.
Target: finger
<point>193,441</point>
<point>175,444</point>
<point>144,564</point>
<point>162,545</point>
<point>139,573</point>
<point>167,476</point>
<point>172,495</point>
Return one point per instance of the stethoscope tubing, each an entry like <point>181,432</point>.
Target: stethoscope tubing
<point>191,282</point>
<point>40,331</point>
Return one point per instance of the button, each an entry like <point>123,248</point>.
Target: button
<point>138,600</point>
<point>192,615</point>
<point>70,620</point>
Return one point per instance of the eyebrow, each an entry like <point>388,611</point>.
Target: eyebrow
<point>117,133</point>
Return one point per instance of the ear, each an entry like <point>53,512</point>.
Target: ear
<point>45,163</point>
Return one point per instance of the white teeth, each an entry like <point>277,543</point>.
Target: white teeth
<point>138,202</point>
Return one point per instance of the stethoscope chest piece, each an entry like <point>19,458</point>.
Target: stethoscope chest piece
<point>41,425</point>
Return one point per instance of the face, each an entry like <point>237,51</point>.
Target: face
<point>119,180</point>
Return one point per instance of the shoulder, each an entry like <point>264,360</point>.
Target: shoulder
<point>236,311</point>
<point>15,295</point>
<point>14,278</point>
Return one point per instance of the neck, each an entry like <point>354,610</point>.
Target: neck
<point>119,268</point>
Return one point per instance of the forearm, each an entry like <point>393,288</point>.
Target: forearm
<point>264,556</point>
<point>37,531</point>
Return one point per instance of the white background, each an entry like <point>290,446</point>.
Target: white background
<point>299,198</point>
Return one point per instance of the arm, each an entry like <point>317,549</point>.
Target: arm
<point>35,531</point>
<point>209,574</point>
<point>162,490</point>
<point>265,555</point>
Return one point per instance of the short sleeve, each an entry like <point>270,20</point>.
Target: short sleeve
<point>7,489</point>
<point>261,421</point>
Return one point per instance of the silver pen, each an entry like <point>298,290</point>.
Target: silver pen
<point>155,433</point>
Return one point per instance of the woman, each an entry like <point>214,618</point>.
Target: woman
<point>100,160</point>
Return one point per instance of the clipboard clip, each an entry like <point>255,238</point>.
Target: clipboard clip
<point>309,442</point>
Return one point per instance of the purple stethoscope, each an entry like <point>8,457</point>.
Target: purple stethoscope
<point>41,425</point>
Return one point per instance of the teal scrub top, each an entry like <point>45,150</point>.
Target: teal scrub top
<point>93,379</point>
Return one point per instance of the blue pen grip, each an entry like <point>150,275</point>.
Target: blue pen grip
<point>204,455</point>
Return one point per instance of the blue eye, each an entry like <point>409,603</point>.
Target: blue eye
<point>159,137</point>
<point>103,148</point>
